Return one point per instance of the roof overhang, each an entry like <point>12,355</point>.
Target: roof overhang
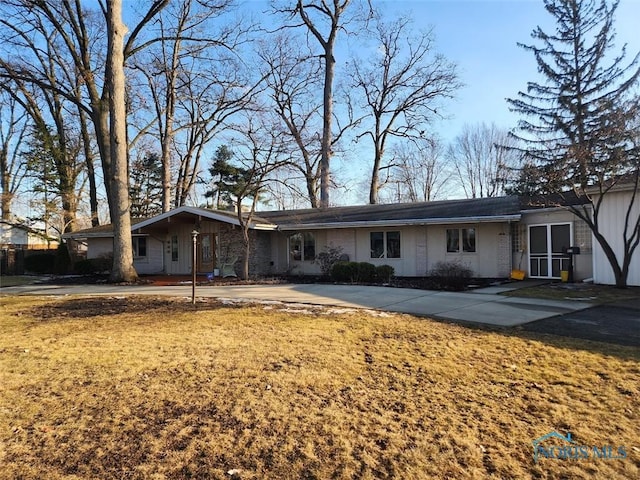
<point>197,212</point>
<point>400,223</point>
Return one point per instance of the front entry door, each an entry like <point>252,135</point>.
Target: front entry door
<point>546,247</point>
<point>206,253</point>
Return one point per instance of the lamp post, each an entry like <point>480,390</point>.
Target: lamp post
<point>194,237</point>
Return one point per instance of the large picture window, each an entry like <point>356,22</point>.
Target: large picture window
<point>302,246</point>
<point>461,240</point>
<point>385,244</point>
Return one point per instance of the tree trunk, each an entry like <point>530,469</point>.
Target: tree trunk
<point>123,270</point>
<point>325,174</point>
<point>5,195</point>
<point>91,173</point>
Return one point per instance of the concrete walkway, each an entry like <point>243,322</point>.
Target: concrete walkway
<point>483,306</point>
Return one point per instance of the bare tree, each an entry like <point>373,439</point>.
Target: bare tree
<point>293,78</point>
<point>123,269</point>
<point>402,85</point>
<point>483,160</point>
<point>196,52</point>
<point>260,152</point>
<point>323,20</point>
<point>79,51</point>
<point>14,124</point>
<point>419,171</point>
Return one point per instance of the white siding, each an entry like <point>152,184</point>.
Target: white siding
<point>345,238</point>
<point>153,262</point>
<point>405,266</point>
<point>611,222</point>
<point>10,235</point>
<point>486,261</point>
<point>97,247</point>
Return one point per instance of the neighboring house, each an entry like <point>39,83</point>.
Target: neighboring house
<point>18,236</point>
<point>490,235</point>
<point>16,242</point>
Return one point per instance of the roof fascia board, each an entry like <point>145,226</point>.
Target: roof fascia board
<point>566,208</point>
<point>400,223</point>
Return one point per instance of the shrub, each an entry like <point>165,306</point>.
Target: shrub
<point>63,260</point>
<point>40,263</point>
<point>91,266</point>
<point>452,275</point>
<point>343,271</point>
<point>353,272</point>
<point>327,258</point>
<point>365,272</point>
<point>84,267</point>
<point>384,273</point>
<point>103,263</point>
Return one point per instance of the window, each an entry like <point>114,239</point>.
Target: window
<point>385,244</point>
<point>302,246</point>
<point>461,239</point>
<point>469,240</point>
<point>139,247</point>
<point>207,251</point>
<point>453,240</point>
<point>174,248</point>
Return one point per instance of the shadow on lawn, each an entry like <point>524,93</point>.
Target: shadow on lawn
<point>110,306</point>
<point>550,332</point>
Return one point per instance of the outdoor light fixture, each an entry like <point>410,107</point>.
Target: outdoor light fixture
<point>194,237</point>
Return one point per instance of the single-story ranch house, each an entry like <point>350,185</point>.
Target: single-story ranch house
<point>492,236</point>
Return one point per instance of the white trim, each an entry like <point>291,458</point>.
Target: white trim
<point>549,254</point>
<point>209,214</point>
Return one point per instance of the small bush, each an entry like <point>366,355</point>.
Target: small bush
<point>103,263</point>
<point>40,263</point>
<point>92,266</point>
<point>343,271</point>
<point>365,272</point>
<point>353,272</point>
<point>384,273</point>
<point>452,275</point>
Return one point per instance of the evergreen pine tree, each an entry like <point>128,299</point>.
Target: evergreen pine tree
<point>581,120</point>
<point>145,189</point>
<point>576,130</point>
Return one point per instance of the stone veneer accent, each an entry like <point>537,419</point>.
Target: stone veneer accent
<point>231,245</point>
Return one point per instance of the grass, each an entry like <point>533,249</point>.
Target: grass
<point>591,293</point>
<point>150,388</point>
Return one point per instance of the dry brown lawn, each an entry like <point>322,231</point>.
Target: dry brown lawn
<point>149,388</point>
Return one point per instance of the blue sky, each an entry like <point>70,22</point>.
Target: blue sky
<point>481,37</point>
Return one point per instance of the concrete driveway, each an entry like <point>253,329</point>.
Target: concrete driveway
<point>483,306</point>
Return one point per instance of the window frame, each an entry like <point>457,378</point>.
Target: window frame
<point>388,245</point>
<point>463,240</point>
<point>307,242</point>
<point>135,241</point>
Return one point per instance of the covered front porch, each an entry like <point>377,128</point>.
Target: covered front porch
<point>166,243</point>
